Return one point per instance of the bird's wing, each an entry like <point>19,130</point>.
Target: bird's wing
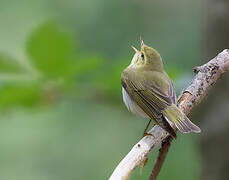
<point>146,93</point>
<point>149,96</point>
<point>172,93</point>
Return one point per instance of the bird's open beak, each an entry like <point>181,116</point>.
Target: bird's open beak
<point>142,43</point>
<point>134,49</point>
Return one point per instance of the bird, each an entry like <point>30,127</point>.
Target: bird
<point>148,92</point>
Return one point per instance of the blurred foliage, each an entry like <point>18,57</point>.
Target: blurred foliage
<point>19,95</point>
<point>51,50</point>
<point>57,68</point>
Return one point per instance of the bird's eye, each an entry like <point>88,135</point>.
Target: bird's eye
<point>142,56</point>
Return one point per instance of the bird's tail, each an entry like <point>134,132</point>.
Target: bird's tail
<point>175,115</point>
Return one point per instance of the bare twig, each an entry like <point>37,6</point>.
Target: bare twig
<point>161,157</point>
<point>206,77</point>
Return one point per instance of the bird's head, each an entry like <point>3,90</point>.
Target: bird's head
<point>146,57</point>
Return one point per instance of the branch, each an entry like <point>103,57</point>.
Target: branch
<point>205,78</point>
<point>165,145</point>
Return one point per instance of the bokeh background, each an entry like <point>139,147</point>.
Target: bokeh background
<point>62,115</point>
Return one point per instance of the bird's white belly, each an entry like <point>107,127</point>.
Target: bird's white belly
<point>131,105</point>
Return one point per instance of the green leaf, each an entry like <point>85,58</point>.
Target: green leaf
<point>50,49</point>
<point>21,95</point>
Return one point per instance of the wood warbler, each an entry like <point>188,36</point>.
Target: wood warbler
<point>148,91</point>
